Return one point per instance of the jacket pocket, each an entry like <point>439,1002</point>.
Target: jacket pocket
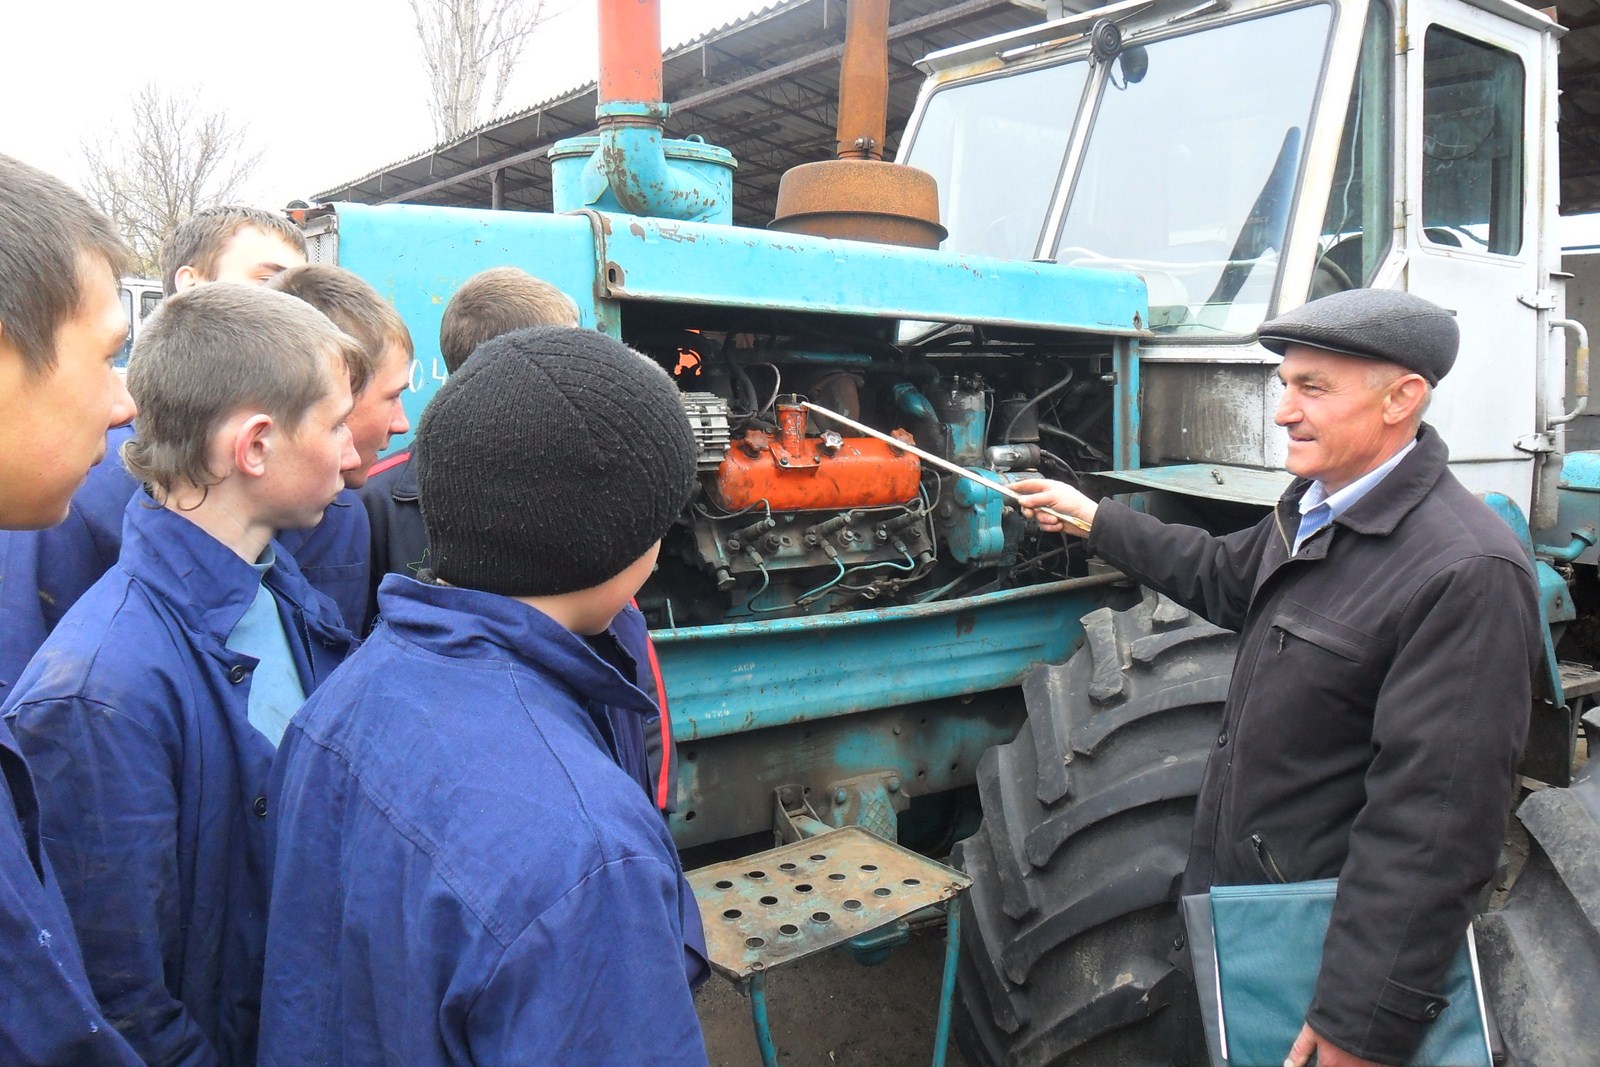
<point>1296,621</point>
<point>1411,1003</point>
<point>1269,866</point>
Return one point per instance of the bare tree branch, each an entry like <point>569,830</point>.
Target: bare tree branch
<point>466,46</point>
<point>171,160</point>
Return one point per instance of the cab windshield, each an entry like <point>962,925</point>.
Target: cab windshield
<point>1187,177</point>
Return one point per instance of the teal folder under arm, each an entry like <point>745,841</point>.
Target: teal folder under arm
<point>1268,952</point>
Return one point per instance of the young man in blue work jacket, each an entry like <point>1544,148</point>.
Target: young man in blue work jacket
<point>488,304</point>
<point>61,327</point>
<point>44,572</point>
<point>151,713</point>
<point>464,874</point>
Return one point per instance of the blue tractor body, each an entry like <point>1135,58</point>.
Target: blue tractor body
<point>908,687</point>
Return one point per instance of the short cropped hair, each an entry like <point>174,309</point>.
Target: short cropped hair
<point>199,239</point>
<point>495,302</point>
<point>47,229</point>
<point>211,351</point>
<point>355,307</point>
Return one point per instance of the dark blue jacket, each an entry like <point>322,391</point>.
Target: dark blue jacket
<point>400,546</point>
<point>44,572</point>
<point>48,1014</point>
<point>464,875</point>
<point>332,555</point>
<point>153,783</point>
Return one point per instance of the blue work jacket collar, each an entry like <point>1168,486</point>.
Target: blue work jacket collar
<point>470,624</point>
<point>174,557</point>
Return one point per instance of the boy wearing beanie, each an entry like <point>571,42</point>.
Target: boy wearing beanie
<point>464,874</point>
<point>150,714</point>
<point>488,304</point>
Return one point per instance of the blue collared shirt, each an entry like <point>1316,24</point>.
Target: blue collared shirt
<point>1318,507</point>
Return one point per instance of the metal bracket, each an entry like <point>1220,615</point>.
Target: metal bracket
<point>1535,443</point>
<point>869,801</point>
<point>793,818</point>
<point>1539,299</point>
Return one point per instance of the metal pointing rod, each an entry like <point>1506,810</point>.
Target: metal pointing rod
<point>943,464</point>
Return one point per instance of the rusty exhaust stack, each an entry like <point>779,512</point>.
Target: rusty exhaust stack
<point>857,196</point>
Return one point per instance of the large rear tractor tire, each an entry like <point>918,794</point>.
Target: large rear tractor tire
<point>1071,921</point>
<point>1541,951</point>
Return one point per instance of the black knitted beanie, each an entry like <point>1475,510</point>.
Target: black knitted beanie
<point>550,462</point>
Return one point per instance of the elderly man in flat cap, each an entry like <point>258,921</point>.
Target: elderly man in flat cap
<point>1388,637</point>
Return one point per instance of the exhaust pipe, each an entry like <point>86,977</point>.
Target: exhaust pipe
<point>857,196</point>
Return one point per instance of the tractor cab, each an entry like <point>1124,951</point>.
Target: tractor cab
<point>1244,158</point>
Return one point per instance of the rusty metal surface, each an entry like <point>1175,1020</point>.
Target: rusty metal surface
<point>787,903</point>
<point>861,200</point>
<point>864,80</point>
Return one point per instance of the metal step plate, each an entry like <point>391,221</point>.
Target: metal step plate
<point>784,904</point>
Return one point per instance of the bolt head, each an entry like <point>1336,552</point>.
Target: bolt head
<point>840,796</point>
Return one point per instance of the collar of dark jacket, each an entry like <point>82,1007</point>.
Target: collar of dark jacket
<point>471,624</point>
<point>405,482</point>
<point>1380,511</point>
<point>206,583</point>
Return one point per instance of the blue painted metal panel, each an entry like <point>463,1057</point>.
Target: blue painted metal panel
<point>417,257</point>
<point>748,676</point>
<point>692,263</point>
<point>1581,471</point>
<point>1577,527</point>
<point>1555,602</point>
<point>1126,415</point>
<point>726,783</point>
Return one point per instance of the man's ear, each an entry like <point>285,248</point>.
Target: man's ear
<point>252,440</point>
<point>185,277</point>
<point>1404,399</point>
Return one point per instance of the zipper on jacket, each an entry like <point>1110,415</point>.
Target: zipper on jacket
<point>1269,866</point>
<point>1277,522</point>
<point>1280,639</point>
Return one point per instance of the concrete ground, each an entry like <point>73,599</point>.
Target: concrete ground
<point>828,1009</point>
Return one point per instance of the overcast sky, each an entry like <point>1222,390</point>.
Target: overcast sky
<point>329,89</point>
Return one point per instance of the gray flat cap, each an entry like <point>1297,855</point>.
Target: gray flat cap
<point>1373,323</point>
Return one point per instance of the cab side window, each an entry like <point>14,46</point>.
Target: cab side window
<point>1359,221</point>
<point>1473,168</point>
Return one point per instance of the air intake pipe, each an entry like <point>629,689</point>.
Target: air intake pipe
<point>630,166</point>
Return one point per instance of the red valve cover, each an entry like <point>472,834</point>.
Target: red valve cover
<point>862,472</point>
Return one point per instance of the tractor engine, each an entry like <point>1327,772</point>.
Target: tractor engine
<point>793,499</point>
<point>797,516</point>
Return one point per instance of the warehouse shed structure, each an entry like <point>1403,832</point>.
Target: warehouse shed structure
<point>766,88</point>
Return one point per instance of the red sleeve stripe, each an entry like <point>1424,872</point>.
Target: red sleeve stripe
<point>664,778</point>
<point>388,463</point>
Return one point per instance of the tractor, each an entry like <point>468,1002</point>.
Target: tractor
<point>1063,273</point>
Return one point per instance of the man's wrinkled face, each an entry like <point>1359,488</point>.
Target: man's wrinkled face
<point>1334,414</point>
<point>53,423</point>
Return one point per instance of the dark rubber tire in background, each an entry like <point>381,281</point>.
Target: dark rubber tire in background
<point>1072,917</point>
<point>1540,951</point>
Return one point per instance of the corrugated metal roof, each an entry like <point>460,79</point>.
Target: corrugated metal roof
<point>765,87</point>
